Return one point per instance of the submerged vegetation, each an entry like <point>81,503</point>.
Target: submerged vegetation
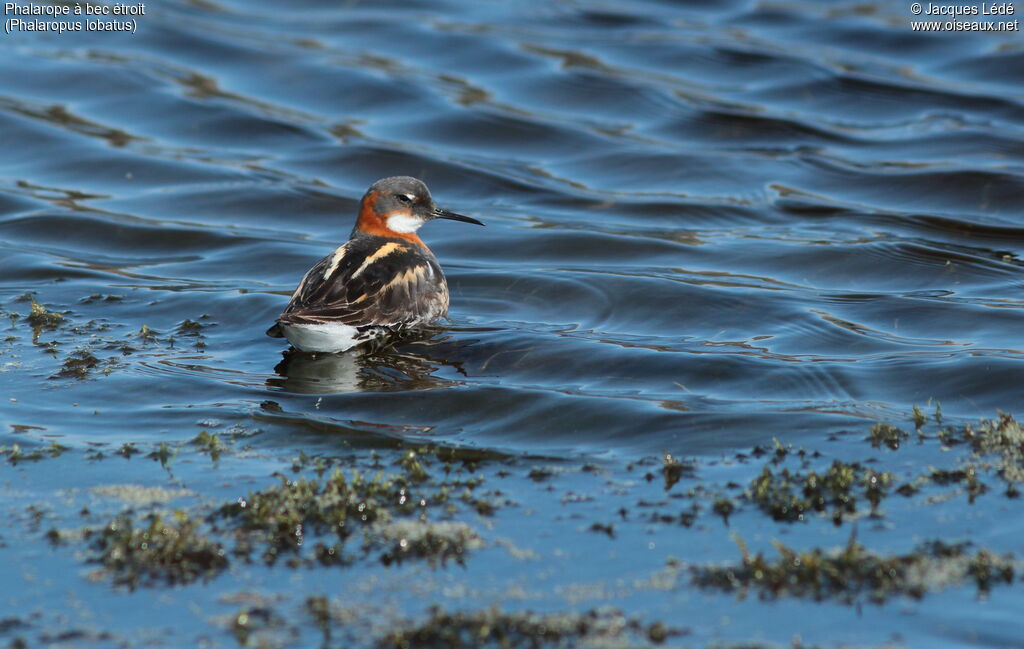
<point>305,521</point>
<point>442,507</point>
<point>156,549</point>
<point>95,347</point>
<point>883,434</point>
<point>42,319</point>
<point>790,496</point>
<point>526,630</point>
<point>280,517</point>
<point>998,443</point>
<point>390,510</point>
<point>996,446</point>
<point>855,573</point>
<point>15,454</point>
<point>672,470</point>
<point>328,516</point>
<point>437,543</point>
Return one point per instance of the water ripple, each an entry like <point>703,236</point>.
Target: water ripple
<point>690,209</point>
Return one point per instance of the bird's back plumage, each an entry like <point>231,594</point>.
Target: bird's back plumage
<point>370,284</point>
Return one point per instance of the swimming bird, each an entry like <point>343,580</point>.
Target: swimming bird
<point>382,280</point>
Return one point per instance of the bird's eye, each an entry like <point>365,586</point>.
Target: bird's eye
<point>404,198</point>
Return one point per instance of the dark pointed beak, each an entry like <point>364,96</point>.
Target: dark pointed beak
<point>445,214</point>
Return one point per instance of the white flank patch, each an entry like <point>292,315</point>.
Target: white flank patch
<point>333,337</point>
<point>404,223</point>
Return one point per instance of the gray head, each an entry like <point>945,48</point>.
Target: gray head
<point>400,205</point>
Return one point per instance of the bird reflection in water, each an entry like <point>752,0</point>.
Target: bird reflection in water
<point>404,363</point>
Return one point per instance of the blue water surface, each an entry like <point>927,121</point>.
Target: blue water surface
<point>708,225</point>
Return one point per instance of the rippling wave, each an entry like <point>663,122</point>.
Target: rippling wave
<point>709,225</point>
<point>696,216</point>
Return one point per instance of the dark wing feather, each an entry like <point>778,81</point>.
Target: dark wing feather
<point>359,286</point>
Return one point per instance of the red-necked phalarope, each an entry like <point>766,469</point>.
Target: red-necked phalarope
<point>383,279</point>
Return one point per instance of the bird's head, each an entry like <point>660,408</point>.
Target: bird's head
<point>398,206</point>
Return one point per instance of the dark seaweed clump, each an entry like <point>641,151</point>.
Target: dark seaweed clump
<point>1002,438</point>
<point>42,319</point>
<point>996,445</point>
<point>854,572</point>
<point>280,517</point>
<point>79,363</point>
<point>672,470</point>
<point>790,496</point>
<point>494,628</point>
<point>887,435</point>
<point>414,539</point>
<point>389,510</point>
<point>256,626</point>
<point>173,551</point>
<point>303,520</point>
<point>99,347</point>
<point>15,454</point>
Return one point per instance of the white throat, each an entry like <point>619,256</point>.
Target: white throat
<point>404,223</point>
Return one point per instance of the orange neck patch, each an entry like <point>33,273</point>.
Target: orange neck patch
<point>369,222</point>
